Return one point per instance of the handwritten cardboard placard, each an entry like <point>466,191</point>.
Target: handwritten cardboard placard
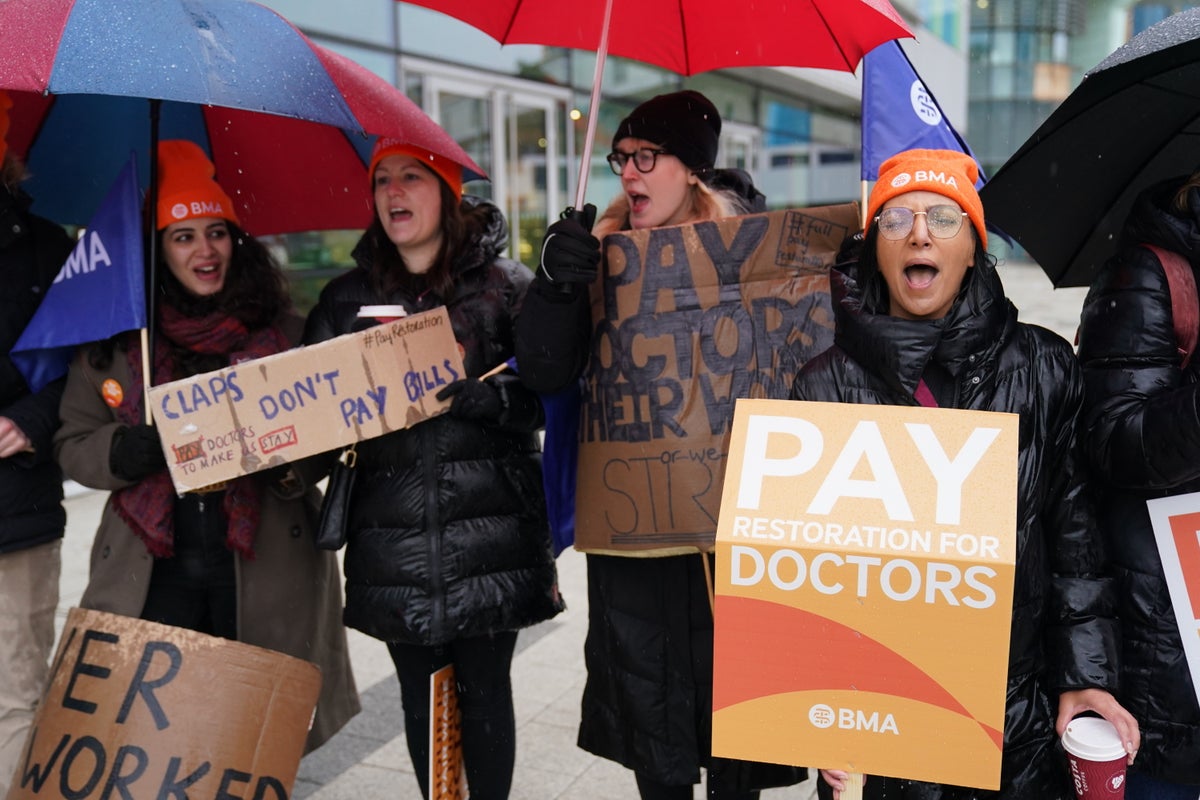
<point>138,709</point>
<point>1176,523</point>
<point>687,320</point>
<point>865,565</point>
<point>265,412</point>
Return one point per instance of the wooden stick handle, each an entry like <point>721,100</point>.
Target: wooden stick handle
<point>708,582</point>
<point>496,370</point>
<point>854,787</point>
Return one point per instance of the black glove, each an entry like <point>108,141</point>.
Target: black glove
<point>136,452</point>
<point>570,254</point>
<point>473,399</point>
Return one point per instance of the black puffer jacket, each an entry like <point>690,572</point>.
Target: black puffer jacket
<point>1063,628</point>
<point>448,532</point>
<point>1143,439</point>
<point>32,250</point>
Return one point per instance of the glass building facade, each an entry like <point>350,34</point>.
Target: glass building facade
<point>521,112</point>
<point>1027,55</point>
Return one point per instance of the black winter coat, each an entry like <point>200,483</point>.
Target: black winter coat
<point>448,533</point>
<point>32,250</point>
<point>1142,436</point>
<point>1063,628</point>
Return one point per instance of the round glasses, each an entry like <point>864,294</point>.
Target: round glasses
<point>643,159</point>
<point>943,222</point>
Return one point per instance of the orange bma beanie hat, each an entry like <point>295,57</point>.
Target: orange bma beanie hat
<point>946,172</point>
<point>444,168</point>
<point>186,188</point>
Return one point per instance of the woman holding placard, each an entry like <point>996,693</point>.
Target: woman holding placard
<point>448,551</point>
<point>649,651</point>
<point>924,321</point>
<point>238,560</point>
<point>1142,434</point>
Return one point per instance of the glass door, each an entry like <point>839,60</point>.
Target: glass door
<point>535,178</point>
<point>515,131</point>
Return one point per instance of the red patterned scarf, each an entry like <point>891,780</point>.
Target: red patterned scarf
<point>148,506</point>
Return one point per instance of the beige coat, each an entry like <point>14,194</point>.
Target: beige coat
<point>289,596</point>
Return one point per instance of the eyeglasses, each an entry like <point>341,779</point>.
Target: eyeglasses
<point>943,222</point>
<point>643,158</point>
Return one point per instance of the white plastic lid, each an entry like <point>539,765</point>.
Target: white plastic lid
<point>377,312</point>
<point>1093,739</point>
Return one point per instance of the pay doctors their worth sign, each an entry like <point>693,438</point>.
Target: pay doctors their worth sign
<point>865,560</point>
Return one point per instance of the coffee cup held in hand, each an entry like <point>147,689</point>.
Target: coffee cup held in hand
<point>383,313</point>
<point>1096,757</point>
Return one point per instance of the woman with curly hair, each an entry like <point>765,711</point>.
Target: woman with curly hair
<point>236,560</point>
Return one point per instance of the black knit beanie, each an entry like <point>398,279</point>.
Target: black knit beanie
<point>685,124</point>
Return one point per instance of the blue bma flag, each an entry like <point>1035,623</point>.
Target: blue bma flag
<point>900,113</point>
<point>100,290</point>
<point>560,454</point>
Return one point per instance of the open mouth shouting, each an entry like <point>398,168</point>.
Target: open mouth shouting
<point>399,214</point>
<point>920,275</point>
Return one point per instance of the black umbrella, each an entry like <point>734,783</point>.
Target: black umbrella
<point>1133,120</point>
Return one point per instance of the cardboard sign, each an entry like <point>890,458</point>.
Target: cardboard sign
<point>865,562</point>
<point>137,709</point>
<point>265,412</point>
<point>447,778</point>
<point>688,319</point>
<point>1176,522</point>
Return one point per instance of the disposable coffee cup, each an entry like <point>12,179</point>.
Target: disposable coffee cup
<point>1096,757</point>
<point>382,313</point>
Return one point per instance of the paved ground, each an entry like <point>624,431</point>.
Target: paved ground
<point>368,758</point>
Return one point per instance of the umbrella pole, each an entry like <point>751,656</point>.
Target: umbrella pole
<point>152,251</point>
<point>862,205</point>
<point>147,411</point>
<point>585,162</point>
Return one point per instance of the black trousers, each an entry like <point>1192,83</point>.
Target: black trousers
<point>649,789</point>
<point>489,732</point>
<point>196,588</point>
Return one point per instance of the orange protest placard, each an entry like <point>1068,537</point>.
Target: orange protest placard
<point>686,320</point>
<point>1176,522</point>
<point>865,560</point>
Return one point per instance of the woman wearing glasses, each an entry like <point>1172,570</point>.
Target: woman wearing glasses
<point>648,699</point>
<point>925,322</point>
<point>664,152</point>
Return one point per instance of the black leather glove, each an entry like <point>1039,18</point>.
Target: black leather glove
<point>136,452</point>
<point>473,399</point>
<point>570,254</point>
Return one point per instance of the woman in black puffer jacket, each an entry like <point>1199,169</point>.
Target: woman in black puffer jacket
<point>449,552</point>
<point>926,322</point>
<point>1143,438</point>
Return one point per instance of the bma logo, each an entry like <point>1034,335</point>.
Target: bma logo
<point>853,719</point>
<point>923,104</point>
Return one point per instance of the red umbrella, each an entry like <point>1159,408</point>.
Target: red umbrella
<point>689,36</point>
<point>288,123</point>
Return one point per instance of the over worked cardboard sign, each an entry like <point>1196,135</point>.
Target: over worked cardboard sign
<point>272,410</point>
<point>687,320</point>
<point>138,709</point>
<point>865,564</point>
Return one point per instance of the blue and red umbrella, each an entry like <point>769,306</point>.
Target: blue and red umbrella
<point>289,124</point>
